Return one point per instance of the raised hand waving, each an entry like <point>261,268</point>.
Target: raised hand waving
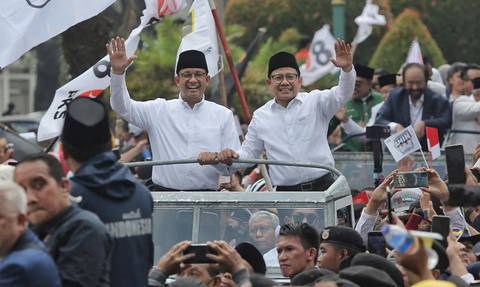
<point>118,56</point>
<point>344,58</point>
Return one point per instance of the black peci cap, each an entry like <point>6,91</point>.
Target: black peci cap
<point>364,72</point>
<point>86,123</point>
<point>282,60</point>
<point>192,59</point>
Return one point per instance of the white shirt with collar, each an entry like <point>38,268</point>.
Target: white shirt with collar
<point>177,132</point>
<point>416,113</point>
<point>297,133</point>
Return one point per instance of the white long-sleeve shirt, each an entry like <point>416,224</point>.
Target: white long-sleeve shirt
<point>466,116</point>
<point>351,127</point>
<point>176,132</point>
<point>297,133</point>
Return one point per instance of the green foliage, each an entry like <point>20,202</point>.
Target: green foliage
<point>393,49</point>
<point>450,22</point>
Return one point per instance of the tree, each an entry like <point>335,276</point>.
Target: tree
<point>393,49</point>
<point>449,21</point>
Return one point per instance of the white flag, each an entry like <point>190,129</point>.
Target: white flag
<point>199,33</point>
<point>403,143</point>
<point>415,53</point>
<point>26,23</point>
<point>96,79</point>
<point>318,63</point>
<point>369,17</point>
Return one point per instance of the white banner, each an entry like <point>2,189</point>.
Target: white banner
<point>415,53</point>
<point>199,33</point>
<point>318,63</point>
<point>403,143</point>
<point>369,17</point>
<point>26,23</point>
<point>96,79</point>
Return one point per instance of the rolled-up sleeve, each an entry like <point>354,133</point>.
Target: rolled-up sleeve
<point>365,224</point>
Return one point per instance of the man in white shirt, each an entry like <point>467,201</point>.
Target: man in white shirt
<point>466,116</point>
<point>180,128</point>
<point>293,126</point>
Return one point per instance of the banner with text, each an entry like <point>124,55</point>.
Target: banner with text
<point>25,24</point>
<point>403,143</point>
<point>96,79</point>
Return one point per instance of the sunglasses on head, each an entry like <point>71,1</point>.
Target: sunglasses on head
<point>311,218</point>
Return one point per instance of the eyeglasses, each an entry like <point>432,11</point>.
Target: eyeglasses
<point>198,76</point>
<point>311,218</point>
<point>263,229</point>
<point>278,79</point>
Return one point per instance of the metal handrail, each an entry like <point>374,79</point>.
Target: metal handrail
<point>252,161</point>
<point>344,141</point>
<point>449,133</point>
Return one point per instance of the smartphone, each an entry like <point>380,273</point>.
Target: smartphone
<point>200,251</point>
<point>455,164</point>
<point>441,225</point>
<point>116,152</point>
<point>410,179</point>
<point>376,243</point>
<point>389,206</point>
<point>476,173</point>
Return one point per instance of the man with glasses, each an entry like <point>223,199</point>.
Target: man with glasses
<point>314,217</point>
<point>359,108</point>
<point>180,128</point>
<point>262,227</point>
<point>293,126</point>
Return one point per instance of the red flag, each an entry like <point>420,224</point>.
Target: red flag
<point>361,198</point>
<point>433,142</point>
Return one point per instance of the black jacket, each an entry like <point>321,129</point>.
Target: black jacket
<point>109,190</point>
<point>436,112</point>
<point>81,247</point>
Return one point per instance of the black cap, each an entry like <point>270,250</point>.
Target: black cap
<point>339,281</point>
<point>257,280</point>
<point>364,72</point>
<point>375,261</point>
<point>474,239</point>
<point>86,123</point>
<point>390,79</point>
<point>186,282</point>
<point>366,276</point>
<point>282,60</point>
<point>345,236</point>
<point>309,276</point>
<point>192,59</point>
<point>242,215</point>
<point>249,253</point>
<point>443,261</point>
<point>476,83</point>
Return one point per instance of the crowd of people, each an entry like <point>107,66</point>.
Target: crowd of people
<point>83,218</point>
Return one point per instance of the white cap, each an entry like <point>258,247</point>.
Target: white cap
<point>134,130</point>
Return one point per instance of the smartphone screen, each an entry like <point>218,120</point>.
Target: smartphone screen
<point>200,251</point>
<point>376,243</point>
<point>455,164</point>
<point>441,225</point>
<point>410,179</point>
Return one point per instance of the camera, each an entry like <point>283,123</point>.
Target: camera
<point>377,132</point>
<point>9,146</point>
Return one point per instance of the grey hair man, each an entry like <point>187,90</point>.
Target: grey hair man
<point>23,258</point>
<point>262,227</point>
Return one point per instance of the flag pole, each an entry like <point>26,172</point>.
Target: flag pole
<point>424,159</point>
<point>219,27</point>
<point>221,76</point>
<point>430,159</point>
